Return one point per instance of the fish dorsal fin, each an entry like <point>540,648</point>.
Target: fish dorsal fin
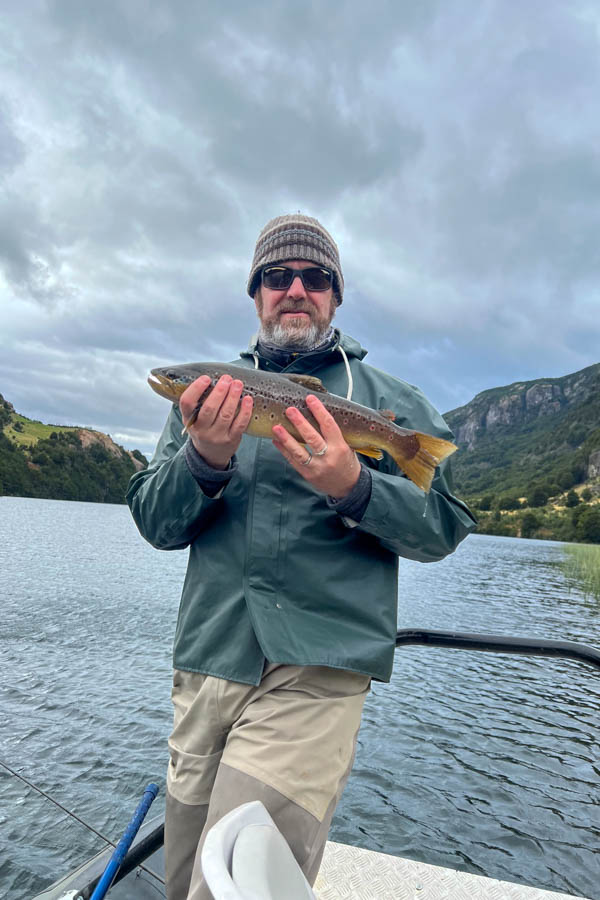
<point>388,414</point>
<point>308,381</point>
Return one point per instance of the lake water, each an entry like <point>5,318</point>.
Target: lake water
<point>480,762</point>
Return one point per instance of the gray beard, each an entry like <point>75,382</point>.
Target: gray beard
<point>286,338</point>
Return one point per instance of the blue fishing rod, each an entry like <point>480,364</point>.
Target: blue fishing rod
<point>120,851</point>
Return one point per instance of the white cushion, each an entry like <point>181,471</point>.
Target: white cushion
<point>245,857</point>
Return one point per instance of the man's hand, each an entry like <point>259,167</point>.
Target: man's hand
<point>218,430</point>
<point>336,471</point>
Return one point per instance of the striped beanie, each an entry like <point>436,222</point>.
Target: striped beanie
<point>296,237</point>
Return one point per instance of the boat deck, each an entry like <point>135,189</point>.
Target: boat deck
<point>350,872</point>
<point>347,873</point>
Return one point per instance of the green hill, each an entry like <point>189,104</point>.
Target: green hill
<point>536,445</point>
<point>61,463</point>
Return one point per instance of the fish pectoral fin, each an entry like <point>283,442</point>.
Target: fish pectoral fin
<point>388,414</point>
<point>192,419</point>
<point>308,381</point>
<point>373,452</point>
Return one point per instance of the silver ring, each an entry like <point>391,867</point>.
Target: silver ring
<point>309,457</point>
<point>321,452</point>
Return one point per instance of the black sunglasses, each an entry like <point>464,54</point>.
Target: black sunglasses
<point>279,278</point>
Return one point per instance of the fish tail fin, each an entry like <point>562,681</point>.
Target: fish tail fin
<point>421,467</point>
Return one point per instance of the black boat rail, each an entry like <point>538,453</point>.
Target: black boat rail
<point>499,643</point>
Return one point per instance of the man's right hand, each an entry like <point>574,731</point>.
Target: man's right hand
<point>217,431</point>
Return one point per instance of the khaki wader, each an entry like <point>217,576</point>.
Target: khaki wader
<point>289,742</point>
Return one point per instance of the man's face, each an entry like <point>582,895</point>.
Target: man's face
<point>294,317</point>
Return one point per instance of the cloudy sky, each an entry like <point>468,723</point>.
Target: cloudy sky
<point>451,147</point>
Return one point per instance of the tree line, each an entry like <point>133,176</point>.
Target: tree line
<point>576,519</point>
<point>59,468</point>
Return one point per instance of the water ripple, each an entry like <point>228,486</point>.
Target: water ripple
<point>476,761</point>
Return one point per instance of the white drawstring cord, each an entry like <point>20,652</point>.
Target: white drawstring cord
<point>346,363</point>
<point>348,373</point>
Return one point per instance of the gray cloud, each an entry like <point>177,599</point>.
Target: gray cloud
<point>12,150</point>
<point>451,149</point>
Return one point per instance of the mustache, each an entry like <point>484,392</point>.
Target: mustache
<point>287,306</point>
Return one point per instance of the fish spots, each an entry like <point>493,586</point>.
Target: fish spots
<point>410,445</point>
<point>371,427</point>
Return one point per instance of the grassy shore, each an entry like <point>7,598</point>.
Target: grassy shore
<point>26,433</point>
<point>582,564</point>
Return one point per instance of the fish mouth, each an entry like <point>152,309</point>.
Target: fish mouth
<point>164,386</point>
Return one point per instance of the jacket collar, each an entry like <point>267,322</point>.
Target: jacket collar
<point>301,361</point>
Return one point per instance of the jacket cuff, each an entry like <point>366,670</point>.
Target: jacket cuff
<point>353,506</point>
<point>212,482</point>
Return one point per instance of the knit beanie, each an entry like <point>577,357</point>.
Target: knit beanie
<point>296,237</point>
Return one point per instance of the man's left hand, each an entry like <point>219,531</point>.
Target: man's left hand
<point>336,471</point>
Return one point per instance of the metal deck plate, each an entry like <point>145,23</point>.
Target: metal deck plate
<point>350,873</point>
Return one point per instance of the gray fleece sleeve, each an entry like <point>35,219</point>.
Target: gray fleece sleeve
<point>212,482</point>
<point>352,507</point>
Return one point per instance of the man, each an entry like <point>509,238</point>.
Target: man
<point>289,603</point>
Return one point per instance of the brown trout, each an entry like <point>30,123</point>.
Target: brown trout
<point>366,430</point>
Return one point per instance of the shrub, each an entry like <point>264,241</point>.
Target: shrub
<point>140,456</point>
<point>40,458</point>
<point>587,528</point>
<point>577,435</point>
<point>509,502</point>
<point>572,498</point>
<point>586,495</point>
<point>529,524</point>
<point>538,497</point>
<point>565,479</point>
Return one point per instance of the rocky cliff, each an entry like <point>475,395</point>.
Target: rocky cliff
<point>89,437</point>
<point>504,409</point>
<point>530,432</point>
<point>593,470</point>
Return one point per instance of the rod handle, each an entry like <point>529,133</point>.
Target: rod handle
<point>120,851</point>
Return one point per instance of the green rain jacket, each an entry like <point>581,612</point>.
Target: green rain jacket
<point>274,573</point>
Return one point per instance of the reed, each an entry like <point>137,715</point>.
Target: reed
<point>582,564</point>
